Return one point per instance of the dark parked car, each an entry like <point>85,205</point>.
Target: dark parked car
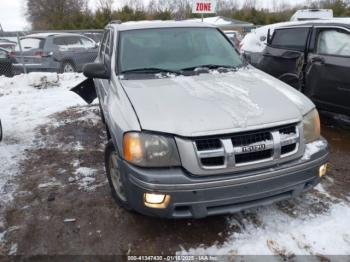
<point>313,57</point>
<point>5,63</point>
<point>55,52</point>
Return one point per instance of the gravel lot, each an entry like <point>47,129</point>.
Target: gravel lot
<point>59,202</point>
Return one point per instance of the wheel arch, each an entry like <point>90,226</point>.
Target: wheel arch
<point>117,141</point>
<point>68,60</point>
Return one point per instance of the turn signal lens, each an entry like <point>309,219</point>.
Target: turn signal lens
<point>133,151</point>
<point>323,170</point>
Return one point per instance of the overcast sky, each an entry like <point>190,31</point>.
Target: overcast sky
<point>12,12</point>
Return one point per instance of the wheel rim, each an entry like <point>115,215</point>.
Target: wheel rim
<point>68,68</point>
<point>116,177</point>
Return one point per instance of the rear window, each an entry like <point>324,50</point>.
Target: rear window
<point>291,38</point>
<point>3,54</point>
<point>31,43</point>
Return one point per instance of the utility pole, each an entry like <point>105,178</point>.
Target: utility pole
<point>1,30</point>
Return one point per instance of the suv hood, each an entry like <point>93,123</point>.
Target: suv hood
<point>215,103</point>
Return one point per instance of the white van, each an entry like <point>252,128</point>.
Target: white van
<point>311,14</point>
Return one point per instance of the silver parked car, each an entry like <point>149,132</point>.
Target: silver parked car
<point>193,130</point>
<point>55,52</point>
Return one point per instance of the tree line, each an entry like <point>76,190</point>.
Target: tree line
<point>77,14</point>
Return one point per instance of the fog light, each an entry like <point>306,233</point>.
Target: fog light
<point>155,200</point>
<point>322,170</point>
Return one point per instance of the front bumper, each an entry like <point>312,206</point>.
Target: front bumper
<point>198,197</point>
<point>19,69</point>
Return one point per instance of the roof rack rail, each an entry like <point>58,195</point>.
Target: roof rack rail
<point>116,22</point>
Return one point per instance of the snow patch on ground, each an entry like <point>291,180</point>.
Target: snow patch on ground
<point>43,81</point>
<point>24,106</point>
<point>52,183</point>
<point>13,249</point>
<point>280,234</point>
<point>85,178</point>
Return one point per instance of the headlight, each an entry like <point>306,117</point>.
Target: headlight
<point>150,150</point>
<point>312,129</point>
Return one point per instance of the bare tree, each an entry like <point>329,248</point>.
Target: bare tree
<point>227,7</point>
<point>49,14</point>
<point>249,4</point>
<point>105,4</point>
<point>135,4</point>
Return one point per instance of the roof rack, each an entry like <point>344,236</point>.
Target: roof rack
<point>115,22</point>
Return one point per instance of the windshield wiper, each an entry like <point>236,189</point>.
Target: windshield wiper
<point>209,66</point>
<point>151,70</point>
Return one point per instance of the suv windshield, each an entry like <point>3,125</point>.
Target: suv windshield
<point>174,49</point>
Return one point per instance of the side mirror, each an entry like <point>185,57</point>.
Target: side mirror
<point>96,70</point>
<point>263,38</point>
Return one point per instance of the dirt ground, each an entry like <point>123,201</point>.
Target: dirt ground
<point>63,203</point>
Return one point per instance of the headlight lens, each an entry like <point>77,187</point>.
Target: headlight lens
<point>312,129</point>
<point>150,150</point>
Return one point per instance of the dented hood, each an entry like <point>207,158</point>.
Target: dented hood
<point>215,103</point>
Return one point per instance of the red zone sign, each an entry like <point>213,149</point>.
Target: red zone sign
<point>204,6</point>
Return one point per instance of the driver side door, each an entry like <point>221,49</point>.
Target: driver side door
<point>327,75</point>
<point>284,56</point>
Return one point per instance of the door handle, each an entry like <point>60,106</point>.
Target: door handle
<point>318,59</point>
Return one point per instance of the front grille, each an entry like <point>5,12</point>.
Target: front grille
<point>287,129</point>
<point>248,148</point>
<point>213,161</point>
<point>246,139</point>
<point>208,144</point>
<point>252,157</point>
<point>287,149</point>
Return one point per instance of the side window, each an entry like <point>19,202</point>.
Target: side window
<point>67,42</point>
<point>59,41</point>
<point>107,44</point>
<point>333,42</point>
<point>87,43</point>
<point>3,54</point>
<point>73,42</point>
<point>290,38</point>
<point>103,45</point>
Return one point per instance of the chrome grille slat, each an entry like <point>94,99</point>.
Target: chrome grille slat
<point>211,153</point>
<point>248,149</point>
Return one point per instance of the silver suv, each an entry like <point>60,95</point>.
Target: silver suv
<point>54,52</point>
<point>193,130</point>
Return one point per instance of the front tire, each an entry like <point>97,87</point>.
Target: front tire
<point>115,177</point>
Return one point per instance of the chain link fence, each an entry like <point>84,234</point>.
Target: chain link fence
<point>58,51</point>
<point>6,68</point>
